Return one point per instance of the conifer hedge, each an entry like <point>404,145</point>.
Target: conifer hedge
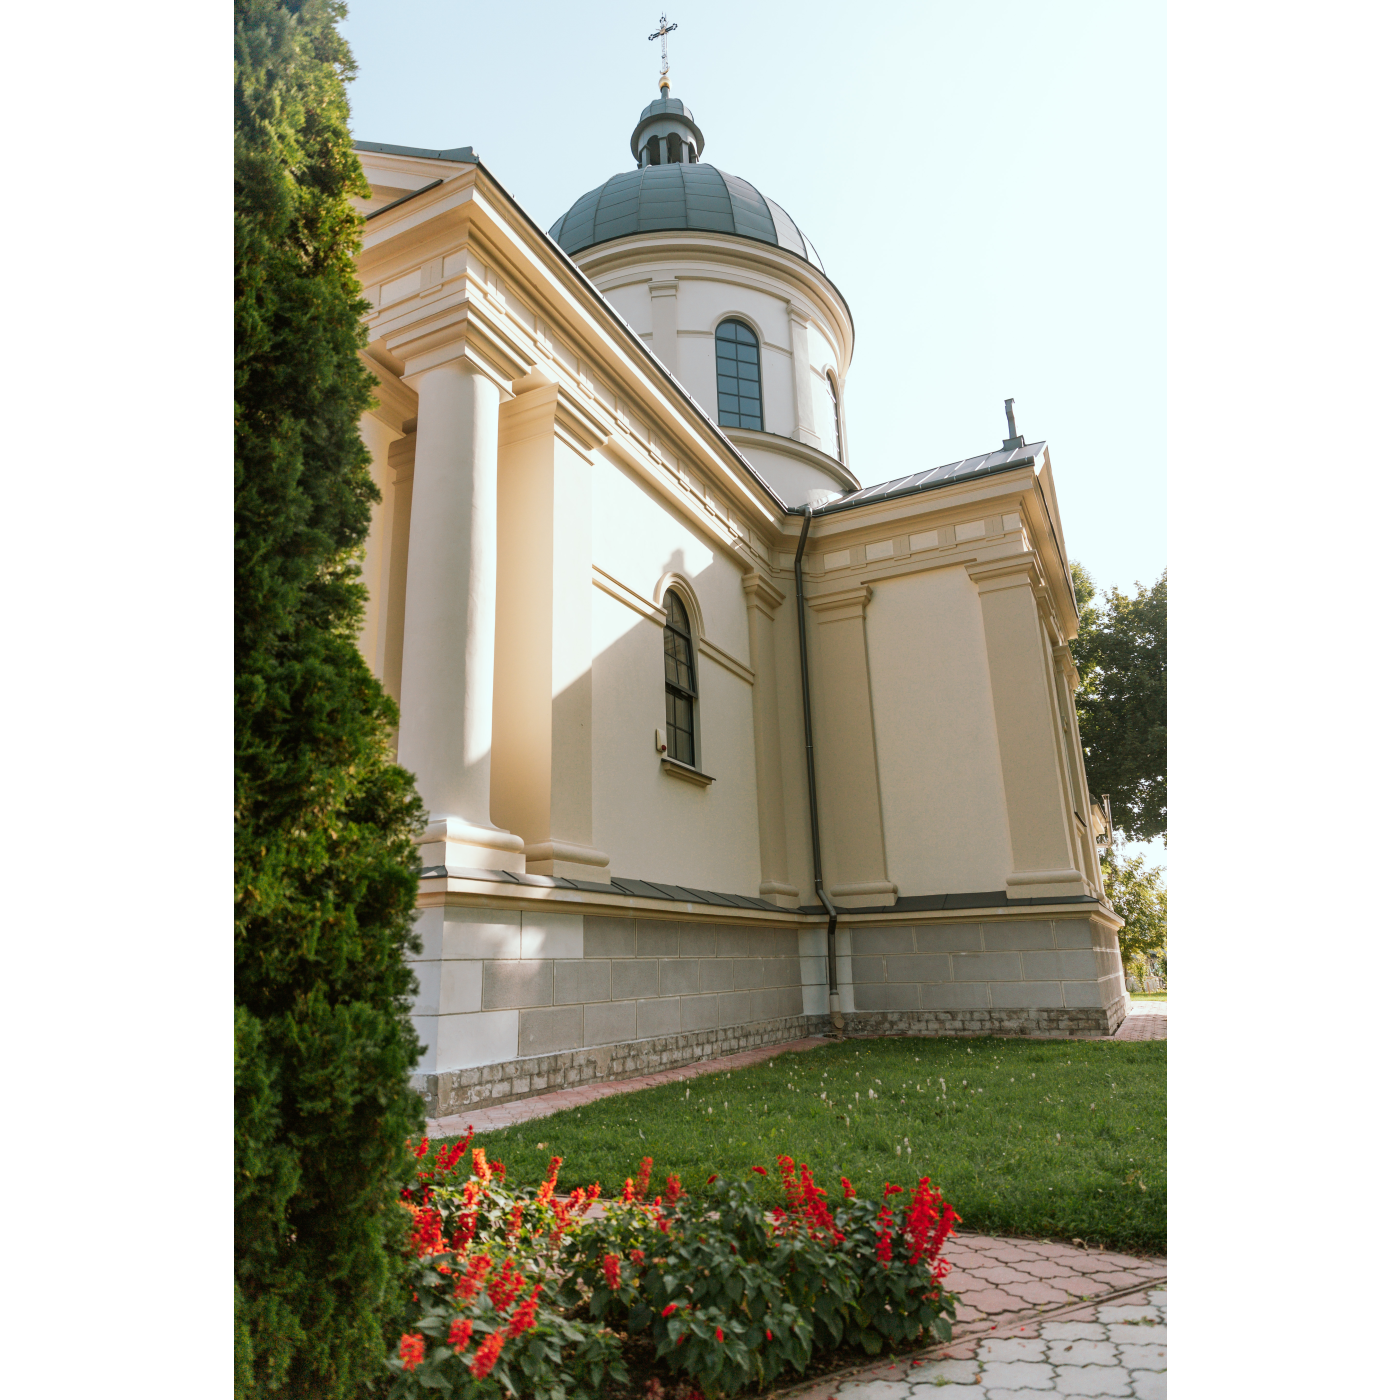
<point>325,865</point>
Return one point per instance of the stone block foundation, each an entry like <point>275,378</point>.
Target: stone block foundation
<point>456,1091</point>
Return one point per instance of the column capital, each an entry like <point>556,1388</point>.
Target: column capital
<point>469,330</point>
<point>555,406</point>
<point>760,594</point>
<point>1065,662</point>
<point>843,605</point>
<point>1010,571</point>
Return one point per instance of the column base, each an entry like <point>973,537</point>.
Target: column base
<point>1044,884</point>
<point>457,843</point>
<point>871,894</point>
<point>567,861</point>
<point>784,896</point>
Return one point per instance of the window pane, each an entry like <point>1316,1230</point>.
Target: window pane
<point>738,376</point>
<point>680,728</point>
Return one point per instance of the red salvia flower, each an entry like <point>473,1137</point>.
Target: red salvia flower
<point>469,1282</point>
<point>426,1236</point>
<point>479,1165</point>
<point>411,1349</point>
<point>788,1168</point>
<point>459,1335</point>
<point>546,1190</point>
<point>486,1355</point>
<point>502,1289</point>
<point>848,1188</point>
<point>594,1192</point>
<point>523,1318</point>
<point>516,1216</point>
<point>818,1216</point>
<point>643,1176</point>
<point>612,1271</point>
<point>499,1168</point>
<point>714,1176</point>
<point>673,1189</point>
<point>719,1334</point>
<point>767,1334</point>
<point>892,1190</point>
<point>762,1171</point>
<point>637,1257</point>
<point>883,1247</point>
<point>669,1309</point>
<point>628,1193</point>
<point>422,1149</point>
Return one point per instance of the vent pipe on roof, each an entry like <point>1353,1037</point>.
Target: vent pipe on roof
<point>1013,438</point>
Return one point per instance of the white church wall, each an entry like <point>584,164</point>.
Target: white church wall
<point>633,304</point>
<point>940,769</point>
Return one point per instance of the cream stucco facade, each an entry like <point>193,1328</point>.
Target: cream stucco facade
<point>548,445</point>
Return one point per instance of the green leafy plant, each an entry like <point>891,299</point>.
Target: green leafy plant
<point>491,1310</point>
<point>735,1292</point>
<point>1136,891</point>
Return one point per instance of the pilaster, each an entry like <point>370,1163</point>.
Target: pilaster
<point>663,320</point>
<point>805,430</point>
<point>763,601</point>
<point>1028,736</point>
<point>848,782</point>
<point>542,777</point>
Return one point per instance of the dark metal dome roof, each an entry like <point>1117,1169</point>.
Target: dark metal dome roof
<point>679,196</point>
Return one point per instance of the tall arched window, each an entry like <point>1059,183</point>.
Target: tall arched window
<point>736,367</point>
<point>680,682</point>
<point>840,453</point>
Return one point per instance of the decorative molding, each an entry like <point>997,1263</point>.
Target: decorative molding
<point>760,594</point>
<point>792,447</point>
<point>614,588</point>
<point>730,663</point>
<point>678,769</point>
<point>566,851</point>
<point>843,605</point>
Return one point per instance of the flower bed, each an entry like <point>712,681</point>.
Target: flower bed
<point>517,1293</point>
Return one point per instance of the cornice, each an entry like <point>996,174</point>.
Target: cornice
<point>752,255</point>
<point>799,451</point>
<point>760,593</point>
<point>841,605</point>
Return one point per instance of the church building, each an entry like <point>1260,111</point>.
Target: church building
<point>721,747</point>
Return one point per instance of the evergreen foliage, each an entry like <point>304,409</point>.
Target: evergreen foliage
<point>325,874</point>
<point>1121,653</point>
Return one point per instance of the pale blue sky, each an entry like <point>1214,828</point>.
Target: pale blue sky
<point>986,184</point>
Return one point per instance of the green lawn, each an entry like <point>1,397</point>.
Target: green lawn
<point>1148,996</point>
<point>1051,1139</point>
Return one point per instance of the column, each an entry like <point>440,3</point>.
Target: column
<point>805,429</point>
<point>378,436</point>
<point>848,780</point>
<point>450,619</point>
<point>763,601</point>
<point>542,778</point>
<point>663,320</point>
<point>1027,732</point>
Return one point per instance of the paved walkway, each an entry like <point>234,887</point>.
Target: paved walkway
<point>1146,1020</point>
<point>1116,1347</point>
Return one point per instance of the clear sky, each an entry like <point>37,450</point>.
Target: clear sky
<point>986,184</point>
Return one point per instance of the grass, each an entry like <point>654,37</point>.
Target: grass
<point>1148,996</point>
<point>1048,1139</point>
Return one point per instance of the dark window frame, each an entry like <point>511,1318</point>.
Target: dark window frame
<point>682,693</point>
<point>831,388</point>
<point>736,353</point>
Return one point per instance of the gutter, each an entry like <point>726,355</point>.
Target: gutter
<point>833,991</point>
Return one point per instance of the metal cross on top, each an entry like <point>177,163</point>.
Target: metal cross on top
<point>661,34</point>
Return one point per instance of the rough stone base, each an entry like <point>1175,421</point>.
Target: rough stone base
<point>1056,1023</point>
<point>455,1091</point>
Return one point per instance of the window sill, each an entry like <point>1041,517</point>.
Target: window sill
<point>677,769</point>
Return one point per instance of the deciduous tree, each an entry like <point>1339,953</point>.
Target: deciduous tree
<point>1121,654</point>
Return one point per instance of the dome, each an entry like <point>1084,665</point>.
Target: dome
<point>699,197</point>
<point>669,190</point>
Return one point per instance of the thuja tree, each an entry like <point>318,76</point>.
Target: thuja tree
<point>325,864</point>
<point>1121,654</point>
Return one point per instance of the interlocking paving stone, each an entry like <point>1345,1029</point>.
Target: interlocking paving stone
<point>1077,1353</point>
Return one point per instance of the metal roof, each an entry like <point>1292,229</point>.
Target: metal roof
<point>1004,459</point>
<point>679,196</point>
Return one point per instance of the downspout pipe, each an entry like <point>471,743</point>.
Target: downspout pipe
<point>833,991</point>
